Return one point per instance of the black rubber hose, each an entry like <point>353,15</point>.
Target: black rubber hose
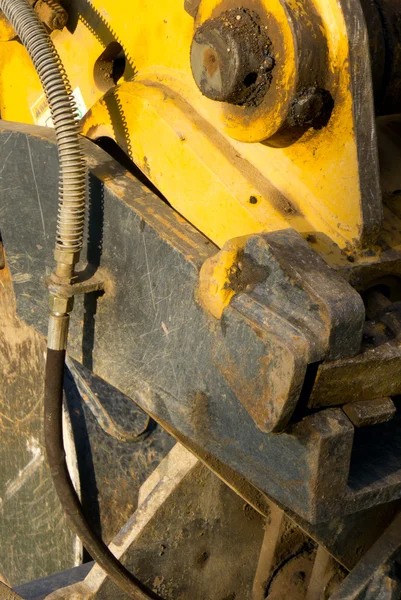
<point>65,489</point>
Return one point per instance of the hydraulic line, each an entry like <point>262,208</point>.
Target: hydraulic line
<point>69,239</point>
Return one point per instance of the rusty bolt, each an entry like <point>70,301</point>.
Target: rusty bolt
<point>311,108</point>
<point>52,14</point>
<point>231,58</point>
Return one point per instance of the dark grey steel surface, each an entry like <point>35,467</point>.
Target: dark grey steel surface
<point>111,471</point>
<point>39,589</point>
<point>148,336</point>
<point>35,537</point>
<point>377,576</point>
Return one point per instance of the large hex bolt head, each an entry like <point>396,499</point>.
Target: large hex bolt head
<point>231,58</point>
<point>312,107</point>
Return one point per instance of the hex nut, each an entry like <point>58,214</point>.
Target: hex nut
<point>66,257</point>
<point>311,108</point>
<point>61,306</point>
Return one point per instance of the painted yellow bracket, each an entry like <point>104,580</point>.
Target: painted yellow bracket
<point>193,149</point>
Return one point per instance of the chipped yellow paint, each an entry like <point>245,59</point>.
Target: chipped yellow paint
<point>215,290</point>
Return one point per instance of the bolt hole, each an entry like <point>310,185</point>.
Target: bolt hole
<point>250,79</point>
<point>109,67</point>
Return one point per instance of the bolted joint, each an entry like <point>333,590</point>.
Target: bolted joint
<point>65,267</point>
<point>231,58</point>
<point>60,306</point>
<point>66,256</point>
<point>311,108</point>
<point>52,14</point>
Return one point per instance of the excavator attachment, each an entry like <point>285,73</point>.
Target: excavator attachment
<point>208,406</point>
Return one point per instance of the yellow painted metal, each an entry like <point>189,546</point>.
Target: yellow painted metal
<point>217,274</point>
<point>190,147</point>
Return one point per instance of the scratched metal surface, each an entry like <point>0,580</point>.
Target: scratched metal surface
<point>35,538</point>
<point>149,337</point>
<point>112,470</point>
<point>148,330</point>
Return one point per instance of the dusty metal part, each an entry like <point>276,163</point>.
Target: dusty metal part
<point>376,33</point>
<point>326,575</point>
<point>300,51</point>
<point>162,107</point>
<point>113,463</point>
<point>286,560</point>
<point>373,373</point>
<point>61,305</point>
<point>286,557</point>
<point>363,527</point>
<point>7,593</point>
<point>302,313</point>
<point>370,412</point>
<point>382,19</point>
<point>86,281</point>
<point>375,577</point>
<point>385,584</point>
<point>293,577</point>
<point>57,333</point>
<point>52,14</point>
<point>63,284</point>
<point>231,58</point>
<point>197,554</point>
<point>103,417</point>
<point>159,317</point>
<point>190,537</point>
<point>108,495</point>
<point>375,302</point>
<point>109,67</point>
<point>55,584</point>
<point>311,107</point>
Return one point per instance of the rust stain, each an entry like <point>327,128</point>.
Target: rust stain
<point>210,61</point>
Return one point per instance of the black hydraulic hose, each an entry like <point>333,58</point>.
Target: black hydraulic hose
<point>70,228</point>
<point>64,486</point>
